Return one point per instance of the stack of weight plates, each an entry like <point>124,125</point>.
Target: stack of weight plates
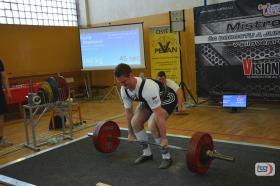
<point>53,89</point>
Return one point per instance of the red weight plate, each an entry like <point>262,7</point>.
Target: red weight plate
<point>196,158</point>
<point>105,136</point>
<point>63,89</point>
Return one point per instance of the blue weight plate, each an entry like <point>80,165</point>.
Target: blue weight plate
<point>53,84</point>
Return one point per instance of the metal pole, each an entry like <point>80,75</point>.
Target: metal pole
<point>26,122</point>
<point>33,125</point>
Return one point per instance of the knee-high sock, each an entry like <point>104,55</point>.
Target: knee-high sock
<point>164,152</point>
<point>142,136</point>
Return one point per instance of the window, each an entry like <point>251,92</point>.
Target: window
<point>39,12</point>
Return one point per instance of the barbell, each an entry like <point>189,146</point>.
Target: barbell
<point>200,152</point>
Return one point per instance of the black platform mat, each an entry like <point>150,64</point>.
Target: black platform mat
<point>79,163</point>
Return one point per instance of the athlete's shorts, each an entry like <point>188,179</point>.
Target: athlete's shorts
<point>3,105</point>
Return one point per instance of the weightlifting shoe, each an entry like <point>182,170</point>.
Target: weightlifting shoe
<point>142,159</point>
<point>165,163</point>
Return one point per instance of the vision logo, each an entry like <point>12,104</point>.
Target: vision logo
<point>269,9</point>
<point>264,68</point>
<point>265,169</point>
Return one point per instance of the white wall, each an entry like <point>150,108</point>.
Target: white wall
<point>82,12</point>
<point>112,10</point>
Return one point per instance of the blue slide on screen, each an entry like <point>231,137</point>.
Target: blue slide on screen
<point>239,101</point>
<point>105,47</point>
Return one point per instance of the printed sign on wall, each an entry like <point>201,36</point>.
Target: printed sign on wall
<point>165,53</point>
<point>238,48</point>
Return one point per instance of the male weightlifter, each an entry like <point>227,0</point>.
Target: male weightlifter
<point>156,103</point>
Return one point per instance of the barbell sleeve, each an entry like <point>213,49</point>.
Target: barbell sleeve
<point>217,155</point>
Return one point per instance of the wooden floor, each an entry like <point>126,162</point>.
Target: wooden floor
<point>259,124</point>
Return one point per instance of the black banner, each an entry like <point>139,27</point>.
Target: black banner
<point>238,48</point>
